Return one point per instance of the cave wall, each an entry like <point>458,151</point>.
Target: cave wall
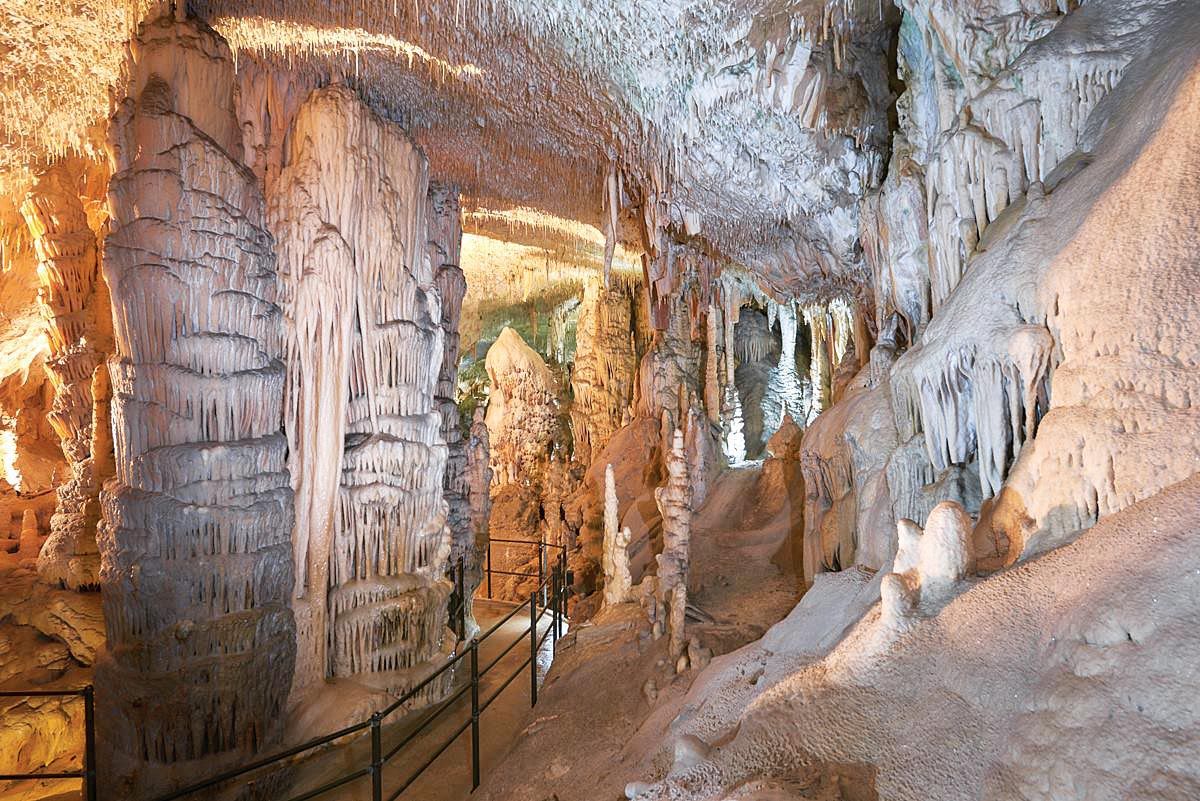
<point>1023,385</point>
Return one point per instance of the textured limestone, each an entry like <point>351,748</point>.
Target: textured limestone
<point>196,564</point>
<point>351,212</point>
<point>605,366</point>
<point>522,411</point>
<point>78,331</point>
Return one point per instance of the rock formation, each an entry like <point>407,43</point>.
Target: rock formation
<point>605,367</point>
<point>350,211</point>
<point>75,306</point>
<point>479,485</point>
<point>522,411</point>
<point>617,582</point>
<point>196,563</point>
<point>675,504</point>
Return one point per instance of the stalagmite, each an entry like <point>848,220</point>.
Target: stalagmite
<point>617,581</point>
<point>674,501</point>
<point>196,562</point>
<point>522,411</point>
<point>76,309</point>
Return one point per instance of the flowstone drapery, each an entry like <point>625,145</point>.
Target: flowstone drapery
<point>196,563</point>
<point>351,213</point>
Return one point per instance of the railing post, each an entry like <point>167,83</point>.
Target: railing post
<point>566,585</point>
<point>489,567</point>
<point>462,597</point>
<point>376,758</point>
<point>553,606</point>
<point>89,743</point>
<point>533,649</point>
<point>541,575</point>
<point>474,715</point>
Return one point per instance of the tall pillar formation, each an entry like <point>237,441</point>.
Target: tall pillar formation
<point>352,218</point>
<point>196,563</point>
<point>75,306</point>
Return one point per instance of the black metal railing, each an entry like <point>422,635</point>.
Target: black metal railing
<point>87,774</point>
<point>549,596</point>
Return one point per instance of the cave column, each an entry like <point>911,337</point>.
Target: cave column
<point>351,215</point>
<point>445,247</point>
<point>75,306</point>
<point>196,564</point>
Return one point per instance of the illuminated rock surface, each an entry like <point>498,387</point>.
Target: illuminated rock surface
<point>847,348</point>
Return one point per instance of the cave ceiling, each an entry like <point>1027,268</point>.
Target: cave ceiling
<point>753,125</point>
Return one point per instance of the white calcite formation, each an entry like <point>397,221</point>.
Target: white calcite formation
<point>351,212</point>
<point>618,583</point>
<point>929,565</point>
<point>674,501</point>
<point>522,411</point>
<point>75,306</point>
<point>196,563</point>
<point>605,365</point>
<point>786,393</point>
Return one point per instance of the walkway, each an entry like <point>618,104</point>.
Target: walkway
<point>449,778</point>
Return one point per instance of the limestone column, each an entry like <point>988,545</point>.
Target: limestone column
<point>196,566</point>
<point>350,212</point>
<point>445,247</point>
<point>75,306</point>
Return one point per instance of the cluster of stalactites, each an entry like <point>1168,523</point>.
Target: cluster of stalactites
<point>975,404</point>
<point>1008,138</point>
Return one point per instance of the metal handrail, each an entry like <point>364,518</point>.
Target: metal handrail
<point>88,772</point>
<point>557,581</point>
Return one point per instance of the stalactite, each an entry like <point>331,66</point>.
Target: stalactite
<point>196,564</point>
<point>78,331</point>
